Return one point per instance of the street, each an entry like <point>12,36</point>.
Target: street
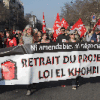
<point>89,90</point>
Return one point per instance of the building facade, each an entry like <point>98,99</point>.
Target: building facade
<point>33,20</point>
<point>16,13</point>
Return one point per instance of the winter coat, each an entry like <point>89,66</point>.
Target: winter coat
<point>11,43</point>
<point>26,39</point>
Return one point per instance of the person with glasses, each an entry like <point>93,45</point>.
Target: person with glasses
<point>62,38</point>
<point>72,36</point>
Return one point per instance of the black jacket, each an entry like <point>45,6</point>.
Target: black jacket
<point>62,38</point>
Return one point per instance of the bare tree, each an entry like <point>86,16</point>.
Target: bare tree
<point>81,9</point>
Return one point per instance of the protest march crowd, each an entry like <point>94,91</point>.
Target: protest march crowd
<point>62,34</point>
<point>10,39</point>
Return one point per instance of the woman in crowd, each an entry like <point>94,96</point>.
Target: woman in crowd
<point>38,37</point>
<point>44,38</point>
<point>35,31</point>
<point>28,38</point>
<point>88,36</point>
<point>11,40</point>
<point>72,36</point>
<point>77,36</point>
<point>1,39</point>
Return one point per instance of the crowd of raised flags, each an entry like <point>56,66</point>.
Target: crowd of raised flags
<point>44,25</point>
<point>79,26</point>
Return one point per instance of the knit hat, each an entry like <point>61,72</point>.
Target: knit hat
<point>27,27</point>
<point>71,32</point>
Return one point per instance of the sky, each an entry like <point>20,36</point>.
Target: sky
<point>49,7</point>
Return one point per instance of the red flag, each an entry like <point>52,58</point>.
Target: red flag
<point>80,27</point>
<point>56,27</point>
<point>97,25</point>
<point>64,23</point>
<point>44,25</point>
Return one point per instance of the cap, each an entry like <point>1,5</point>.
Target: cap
<point>27,27</point>
<point>71,32</point>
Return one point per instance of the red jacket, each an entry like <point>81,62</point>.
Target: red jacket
<point>11,43</point>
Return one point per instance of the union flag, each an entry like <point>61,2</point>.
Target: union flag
<point>64,23</point>
<point>44,25</point>
<point>56,27</point>
<point>80,27</point>
<point>97,25</point>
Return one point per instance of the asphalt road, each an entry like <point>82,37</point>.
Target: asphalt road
<point>89,90</point>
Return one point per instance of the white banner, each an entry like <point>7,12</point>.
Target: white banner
<point>42,67</point>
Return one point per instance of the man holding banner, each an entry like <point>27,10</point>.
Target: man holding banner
<point>65,39</point>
